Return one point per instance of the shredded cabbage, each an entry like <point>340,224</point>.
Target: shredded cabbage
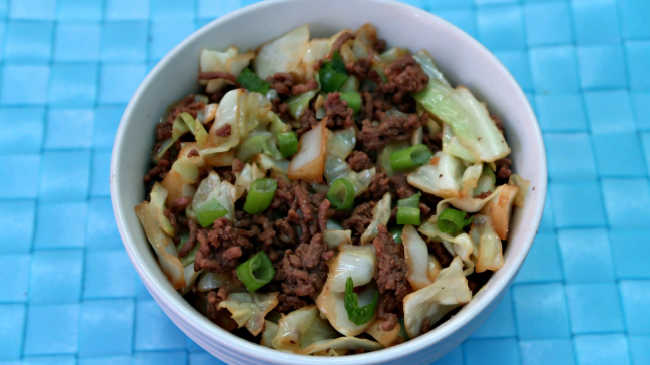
<point>416,256</point>
<point>490,249</point>
<point>442,177</point>
<point>245,178</point>
<point>469,119</point>
<point>429,304</point>
<point>429,66</point>
<point>380,216</point>
<point>229,61</point>
<point>149,214</point>
<point>300,329</point>
<point>335,238</point>
<point>341,143</point>
<point>243,112</point>
<point>340,346</point>
<point>249,309</point>
<point>356,262</point>
<point>212,187</point>
<point>283,54</point>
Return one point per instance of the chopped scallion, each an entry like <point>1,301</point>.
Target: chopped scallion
<point>452,221</point>
<point>260,195</point>
<point>256,272</point>
<point>409,157</point>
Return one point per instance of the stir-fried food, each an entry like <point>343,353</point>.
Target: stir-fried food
<point>328,196</point>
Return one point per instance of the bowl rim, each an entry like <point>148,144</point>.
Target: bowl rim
<point>198,327</point>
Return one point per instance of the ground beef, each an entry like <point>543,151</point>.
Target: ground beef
<point>400,186</point>
<point>379,185</point>
<point>323,214</point>
<point>180,203</point>
<point>218,75</point>
<point>404,76</point>
<point>224,131</point>
<point>303,272</point>
<point>237,166</point>
<point>157,172</point>
<point>359,160</point>
<point>302,212</point>
<point>360,68</point>
<point>191,241</point>
<point>188,105</point>
<point>225,173</point>
<point>477,280</point>
<point>258,227</point>
<point>220,246</point>
<point>366,105</point>
<point>503,168</point>
<point>307,121</point>
<point>339,115</point>
<point>208,304</point>
<point>286,233</point>
<point>391,128</point>
<point>390,277</point>
<point>283,196</point>
<point>359,218</point>
<point>163,131</point>
<point>498,122</point>
<point>281,108</point>
<point>441,253</point>
<point>433,142</point>
<point>303,88</point>
<point>379,45</point>
<point>282,82</point>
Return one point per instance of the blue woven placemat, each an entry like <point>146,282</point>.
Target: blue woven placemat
<point>70,295</point>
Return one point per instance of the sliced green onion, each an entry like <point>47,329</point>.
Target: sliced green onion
<point>256,272</point>
<point>396,234</point>
<point>358,315</point>
<point>299,103</point>
<point>408,215</point>
<point>353,99</point>
<point>209,211</point>
<point>351,84</point>
<point>409,157</point>
<point>412,201</point>
<point>250,81</point>
<point>287,144</point>
<point>337,63</point>
<point>453,221</point>
<point>195,127</point>
<point>408,210</point>
<point>332,74</point>
<point>341,194</point>
<point>260,195</point>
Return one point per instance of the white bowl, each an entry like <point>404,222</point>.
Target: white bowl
<point>462,59</point>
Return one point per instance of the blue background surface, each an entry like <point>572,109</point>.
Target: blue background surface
<point>69,293</point>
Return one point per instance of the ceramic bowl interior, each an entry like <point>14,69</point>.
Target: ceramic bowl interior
<point>461,58</point>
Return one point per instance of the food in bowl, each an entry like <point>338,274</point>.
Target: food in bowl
<point>328,196</point>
